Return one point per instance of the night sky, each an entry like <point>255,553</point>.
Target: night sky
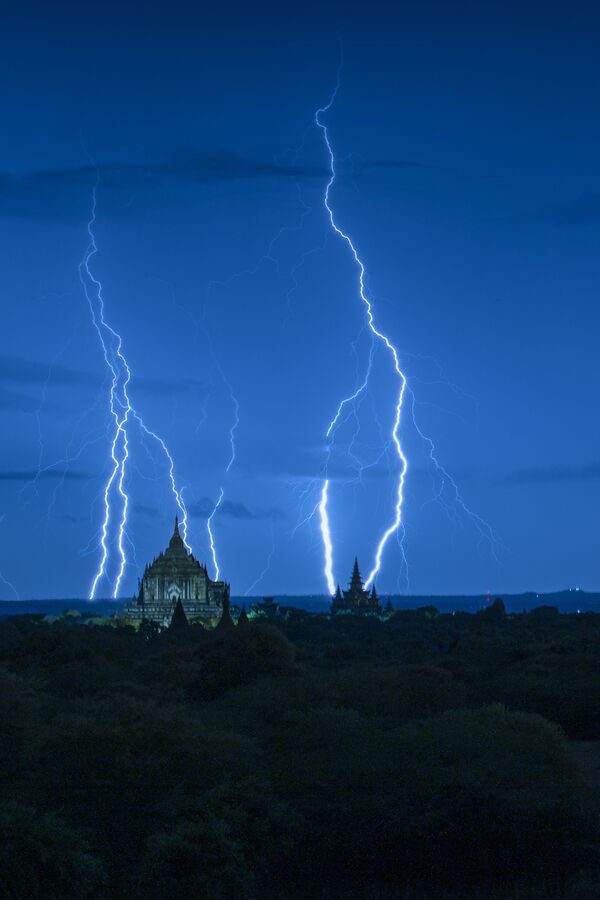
<point>468,145</point>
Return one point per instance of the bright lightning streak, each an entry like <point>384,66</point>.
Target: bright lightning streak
<point>349,399</point>
<point>213,548</point>
<point>445,479</point>
<point>234,425</point>
<point>176,492</point>
<point>121,411</point>
<point>325,528</point>
<point>232,430</point>
<point>335,423</point>
<point>326,535</point>
<point>120,406</point>
<point>124,507</point>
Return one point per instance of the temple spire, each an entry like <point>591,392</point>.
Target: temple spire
<point>374,604</point>
<point>179,620</point>
<point>176,546</point>
<point>356,599</point>
<point>356,581</point>
<point>225,622</point>
<point>337,601</point>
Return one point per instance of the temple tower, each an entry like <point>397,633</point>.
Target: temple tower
<point>176,576</point>
<point>356,599</point>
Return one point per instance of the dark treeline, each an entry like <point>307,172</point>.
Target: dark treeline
<point>421,756</point>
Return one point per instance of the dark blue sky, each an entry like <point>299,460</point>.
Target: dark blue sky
<point>468,143</point>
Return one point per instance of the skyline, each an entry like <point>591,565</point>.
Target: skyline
<point>476,220</point>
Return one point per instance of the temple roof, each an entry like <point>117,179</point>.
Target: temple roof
<point>356,598</point>
<point>356,588</point>
<point>175,557</point>
<point>356,581</point>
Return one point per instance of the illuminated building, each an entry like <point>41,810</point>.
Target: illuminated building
<point>177,576</point>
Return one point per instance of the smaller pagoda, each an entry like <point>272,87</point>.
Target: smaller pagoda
<point>356,599</point>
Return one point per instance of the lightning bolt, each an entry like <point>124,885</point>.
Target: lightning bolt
<point>322,505</point>
<point>381,337</point>
<point>211,538</point>
<point>177,493</point>
<point>326,536</point>
<point>396,527</point>
<point>232,430</point>
<point>445,479</point>
<point>122,413</point>
<point>270,258</point>
<point>267,565</point>
<point>234,424</point>
<point>235,403</point>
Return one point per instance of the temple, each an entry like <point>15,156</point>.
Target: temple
<point>356,599</point>
<point>177,578</point>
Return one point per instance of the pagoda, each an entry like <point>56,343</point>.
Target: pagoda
<point>356,599</point>
<point>175,580</point>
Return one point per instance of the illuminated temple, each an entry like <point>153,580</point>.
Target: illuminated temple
<point>177,576</point>
<point>356,599</point>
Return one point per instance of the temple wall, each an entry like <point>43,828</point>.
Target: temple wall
<point>158,606</point>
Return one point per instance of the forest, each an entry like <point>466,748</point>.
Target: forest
<point>418,755</point>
